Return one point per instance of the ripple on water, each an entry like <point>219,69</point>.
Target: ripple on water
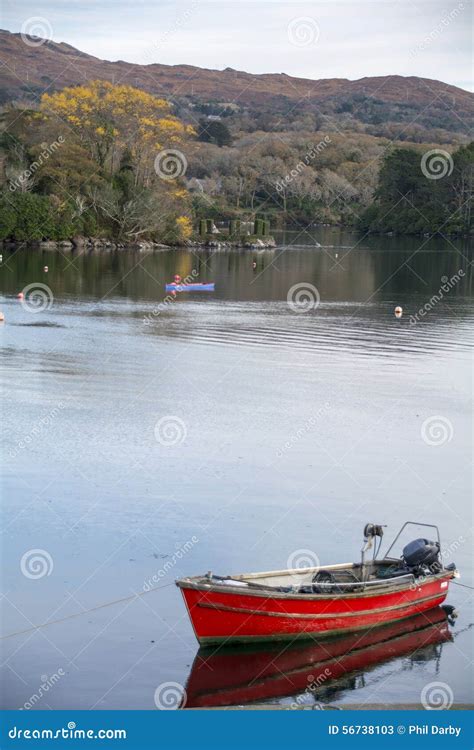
<point>333,327</point>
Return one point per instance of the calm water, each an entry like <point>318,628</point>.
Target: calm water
<point>290,431</point>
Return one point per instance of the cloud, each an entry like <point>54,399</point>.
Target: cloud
<point>356,38</point>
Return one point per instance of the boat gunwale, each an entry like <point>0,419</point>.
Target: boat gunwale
<point>201,583</point>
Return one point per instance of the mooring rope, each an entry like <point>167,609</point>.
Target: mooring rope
<point>84,612</point>
<point>464,585</point>
<point>110,604</point>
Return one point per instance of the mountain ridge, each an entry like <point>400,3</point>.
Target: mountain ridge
<point>27,70</point>
<point>67,49</point>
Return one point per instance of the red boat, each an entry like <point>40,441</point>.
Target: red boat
<point>315,602</point>
<point>243,674</point>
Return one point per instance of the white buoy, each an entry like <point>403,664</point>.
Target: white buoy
<point>46,269</point>
<point>398,311</point>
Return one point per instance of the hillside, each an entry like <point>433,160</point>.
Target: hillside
<point>369,103</point>
<point>86,149</point>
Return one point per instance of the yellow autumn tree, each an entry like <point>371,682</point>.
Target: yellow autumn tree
<point>110,118</point>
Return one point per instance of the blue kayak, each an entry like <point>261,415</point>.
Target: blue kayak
<point>193,287</point>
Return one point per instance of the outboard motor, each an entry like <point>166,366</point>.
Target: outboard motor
<point>422,554</point>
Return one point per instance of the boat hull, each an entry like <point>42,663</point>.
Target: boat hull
<point>228,616</point>
<point>190,287</point>
<point>242,675</point>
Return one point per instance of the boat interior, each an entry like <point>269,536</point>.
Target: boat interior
<point>419,558</point>
<point>344,575</point>
<point>331,579</point>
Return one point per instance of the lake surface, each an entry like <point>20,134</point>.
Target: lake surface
<point>145,440</point>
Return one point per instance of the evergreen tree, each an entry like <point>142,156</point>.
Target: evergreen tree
<point>214,132</point>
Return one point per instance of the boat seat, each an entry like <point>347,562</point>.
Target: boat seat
<point>391,571</point>
<point>328,581</point>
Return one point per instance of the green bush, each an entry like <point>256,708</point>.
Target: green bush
<point>409,201</point>
<point>7,218</point>
<point>34,219</point>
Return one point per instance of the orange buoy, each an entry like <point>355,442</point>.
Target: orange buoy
<point>398,311</point>
<point>2,317</point>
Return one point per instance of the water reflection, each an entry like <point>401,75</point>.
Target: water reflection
<point>318,672</point>
<point>345,267</point>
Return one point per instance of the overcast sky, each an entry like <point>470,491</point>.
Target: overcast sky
<point>343,39</point>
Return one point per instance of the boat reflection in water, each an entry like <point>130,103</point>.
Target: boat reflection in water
<point>239,675</point>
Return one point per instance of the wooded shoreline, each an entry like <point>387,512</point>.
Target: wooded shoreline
<point>115,166</point>
<point>91,244</point>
